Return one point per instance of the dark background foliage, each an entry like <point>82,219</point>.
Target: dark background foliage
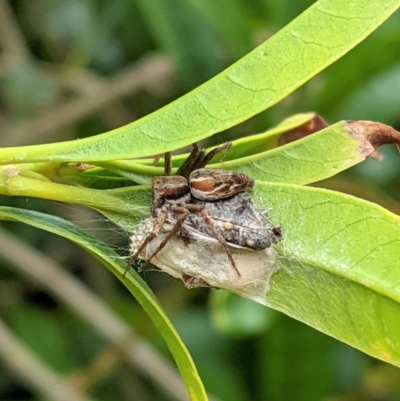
<point>75,68</point>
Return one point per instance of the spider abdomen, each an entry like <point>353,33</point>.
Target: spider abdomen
<point>211,185</point>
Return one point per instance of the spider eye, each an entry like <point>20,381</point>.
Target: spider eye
<point>157,182</point>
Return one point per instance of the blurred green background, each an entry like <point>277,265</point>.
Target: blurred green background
<point>75,68</point>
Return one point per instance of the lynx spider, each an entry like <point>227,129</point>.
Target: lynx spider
<point>192,192</point>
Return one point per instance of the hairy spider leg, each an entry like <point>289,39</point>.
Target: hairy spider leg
<point>158,225</point>
<point>192,161</point>
<point>167,163</point>
<point>198,158</point>
<point>192,281</point>
<point>217,234</point>
<point>185,210</point>
<point>210,155</point>
<point>178,224</point>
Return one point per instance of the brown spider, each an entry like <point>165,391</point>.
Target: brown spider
<point>207,204</point>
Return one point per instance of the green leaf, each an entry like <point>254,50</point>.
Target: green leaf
<point>255,144</point>
<point>133,202</point>
<point>336,269</point>
<point>132,281</point>
<point>310,159</point>
<point>339,266</point>
<point>259,80</point>
<point>141,171</point>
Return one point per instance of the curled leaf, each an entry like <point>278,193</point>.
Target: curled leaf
<point>315,124</point>
<point>372,134</point>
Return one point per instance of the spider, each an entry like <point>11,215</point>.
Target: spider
<point>207,204</point>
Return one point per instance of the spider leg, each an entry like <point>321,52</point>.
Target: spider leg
<point>210,155</point>
<point>198,158</point>
<point>158,225</point>
<point>175,229</point>
<point>217,234</point>
<point>192,281</point>
<point>191,163</point>
<point>167,163</point>
<point>156,160</point>
<point>188,280</point>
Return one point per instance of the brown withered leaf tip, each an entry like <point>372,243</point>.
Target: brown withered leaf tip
<point>310,127</point>
<point>372,135</point>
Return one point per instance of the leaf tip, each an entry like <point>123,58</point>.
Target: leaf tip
<point>315,124</point>
<point>372,134</point>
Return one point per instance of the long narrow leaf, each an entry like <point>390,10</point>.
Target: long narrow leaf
<point>314,40</point>
<point>133,282</point>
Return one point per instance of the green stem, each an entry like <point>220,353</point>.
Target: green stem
<point>25,186</point>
